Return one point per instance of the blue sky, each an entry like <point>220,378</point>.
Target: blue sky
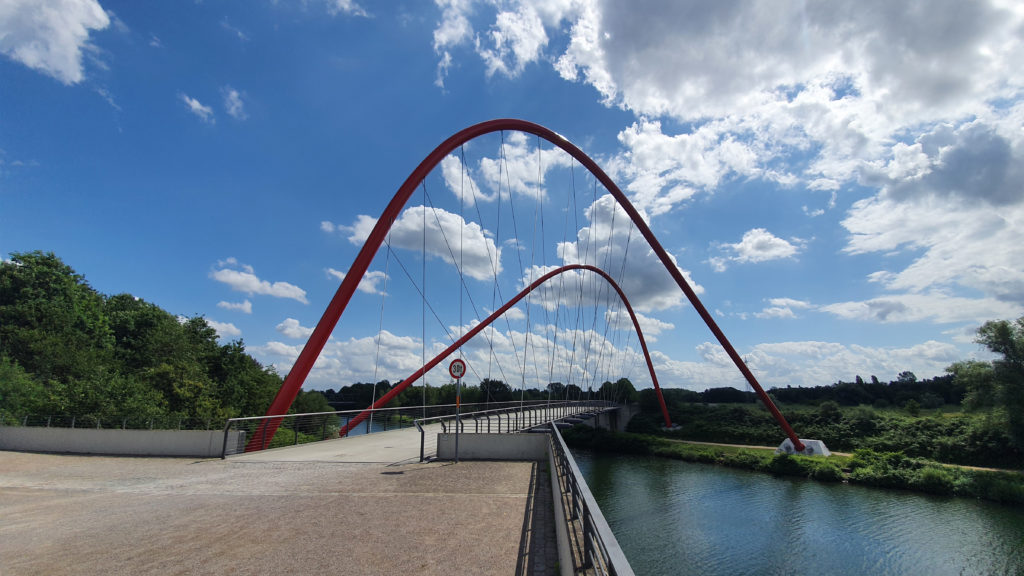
<point>844,183</point>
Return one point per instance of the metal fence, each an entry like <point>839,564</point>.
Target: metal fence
<point>295,429</point>
<point>594,547</point>
<point>504,420</point>
<point>110,423</point>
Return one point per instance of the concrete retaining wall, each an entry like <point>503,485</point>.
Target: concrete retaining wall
<point>193,443</point>
<point>493,446</point>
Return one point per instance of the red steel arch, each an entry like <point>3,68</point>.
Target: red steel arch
<point>497,314</point>
<point>310,352</point>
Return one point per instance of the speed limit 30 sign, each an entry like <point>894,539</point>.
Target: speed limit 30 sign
<point>457,368</point>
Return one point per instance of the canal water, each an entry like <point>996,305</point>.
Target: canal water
<point>677,518</point>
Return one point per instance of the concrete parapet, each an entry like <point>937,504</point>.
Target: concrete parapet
<point>191,443</point>
<point>493,446</point>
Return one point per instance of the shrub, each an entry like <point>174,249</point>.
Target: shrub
<point>933,479</point>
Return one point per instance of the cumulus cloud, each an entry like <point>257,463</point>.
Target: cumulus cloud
<point>519,168</point>
<point>202,111</point>
<point>243,307</point>
<point>515,40</point>
<point>804,91</point>
<point>611,243</point>
<point>954,199</point>
<point>757,245</point>
<point>371,283</point>
<point>618,319</point>
<point>50,35</point>
<point>291,328</point>
<point>931,306</point>
<point>478,256</point>
<point>224,329</point>
<point>242,278</point>
<point>233,103</point>
<point>809,363</point>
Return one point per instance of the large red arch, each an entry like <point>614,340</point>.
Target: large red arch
<point>497,314</point>
<point>310,352</point>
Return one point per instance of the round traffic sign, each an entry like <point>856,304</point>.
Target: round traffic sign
<point>457,368</point>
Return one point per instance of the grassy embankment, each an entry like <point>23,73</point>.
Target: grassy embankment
<point>865,466</point>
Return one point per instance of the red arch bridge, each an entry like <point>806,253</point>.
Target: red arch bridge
<point>501,207</point>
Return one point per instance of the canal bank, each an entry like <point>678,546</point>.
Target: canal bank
<point>865,467</point>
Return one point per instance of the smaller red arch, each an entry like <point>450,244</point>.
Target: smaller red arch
<point>494,316</point>
<point>269,427</point>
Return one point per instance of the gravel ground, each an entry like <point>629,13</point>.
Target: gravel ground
<point>62,514</point>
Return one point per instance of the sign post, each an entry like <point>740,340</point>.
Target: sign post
<point>457,369</point>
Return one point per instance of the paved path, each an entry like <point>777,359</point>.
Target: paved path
<point>362,505</point>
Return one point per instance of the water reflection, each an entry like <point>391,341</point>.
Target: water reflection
<point>676,518</point>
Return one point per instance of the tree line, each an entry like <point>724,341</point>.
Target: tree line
<point>67,349</point>
<point>361,394</point>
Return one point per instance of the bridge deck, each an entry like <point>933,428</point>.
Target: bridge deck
<point>362,505</point>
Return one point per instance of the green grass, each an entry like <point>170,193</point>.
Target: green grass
<point>867,467</point>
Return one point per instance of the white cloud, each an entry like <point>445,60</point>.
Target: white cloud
<point>233,103</point>
<point>347,7</point>
<point>50,35</point>
<point>933,306</point>
<point>460,181</point>
<point>516,39</point>
<point>811,363</point>
<point>478,256</point>
<point>203,112</point>
<point>958,207</point>
<point>245,280</point>
<point>518,168</point>
<point>618,319</point>
<point>291,328</point>
<point>665,170</point>
<point>611,243</point>
<point>370,282</point>
<point>757,245</point>
<point>801,91</point>
<point>224,329</point>
<point>244,307</point>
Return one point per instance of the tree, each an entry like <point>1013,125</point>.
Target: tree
<point>495,391</point>
<point>906,377</point>
<point>1006,339</point>
<point>556,390</point>
<point>621,390</point>
<point>51,321</point>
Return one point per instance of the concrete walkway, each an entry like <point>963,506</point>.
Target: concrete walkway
<point>361,505</point>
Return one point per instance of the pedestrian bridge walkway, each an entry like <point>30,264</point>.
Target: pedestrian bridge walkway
<point>360,505</point>
<point>317,509</point>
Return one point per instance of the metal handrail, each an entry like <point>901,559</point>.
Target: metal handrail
<point>601,552</point>
<point>385,415</point>
<point>526,417</point>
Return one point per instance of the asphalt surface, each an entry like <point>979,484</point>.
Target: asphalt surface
<point>335,508</point>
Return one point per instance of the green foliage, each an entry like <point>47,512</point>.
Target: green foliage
<point>868,467</point>
<point>975,439</point>
<point>621,391</point>
<point>913,407</point>
<point>1007,339</point>
<point>66,349</point>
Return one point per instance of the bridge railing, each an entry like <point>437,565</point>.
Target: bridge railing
<point>594,547</point>
<point>503,420</point>
<point>109,422</point>
<point>316,426</point>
